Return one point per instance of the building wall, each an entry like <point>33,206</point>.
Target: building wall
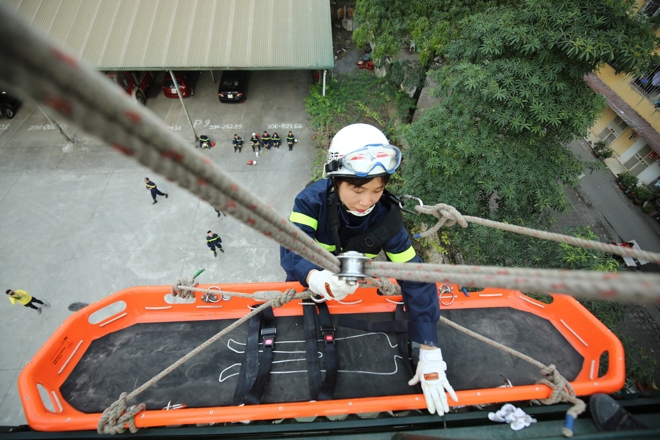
<point>620,84</point>
<point>623,142</point>
<point>605,118</point>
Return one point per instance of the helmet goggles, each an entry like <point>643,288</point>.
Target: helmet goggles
<point>364,160</point>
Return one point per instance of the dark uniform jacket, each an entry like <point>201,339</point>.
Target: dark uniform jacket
<point>151,186</point>
<point>237,142</point>
<point>267,140</point>
<point>214,240</point>
<point>309,214</point>
<point>290,139</point>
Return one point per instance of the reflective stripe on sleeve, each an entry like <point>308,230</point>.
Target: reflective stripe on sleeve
<point>303,219</point>
<point>402,257</point>
<point>327,247</point>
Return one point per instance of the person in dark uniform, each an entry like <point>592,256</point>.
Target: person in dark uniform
<point>276,140</point>
<point>256,143</point>
<point>290,139</point>
<point>344,207</point>
<point>154,190</point>
<point>213,241</point>
<point>267,140</point>
<point>238,143</point>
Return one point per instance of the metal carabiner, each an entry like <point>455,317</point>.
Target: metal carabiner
<point>409,197</point>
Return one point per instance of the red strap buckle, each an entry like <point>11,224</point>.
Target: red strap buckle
<point>268,342</point>
<point>329,338</point>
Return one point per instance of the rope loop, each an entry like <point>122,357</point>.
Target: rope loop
<point>447,215</point>
<point>114,419</point>
<point>562,391</point>
<point>183,293</point>
<point>386,287</point>
<point>283,298</point>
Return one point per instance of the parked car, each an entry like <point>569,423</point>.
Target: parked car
<point>8,104</point>
<point>133,83</point>
<point>186,81</point>
<point>233,86</point>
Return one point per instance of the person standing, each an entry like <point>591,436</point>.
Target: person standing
<point>238,143</point>
<point>256,144</point>
<point>154,190</point>
<point>267,140</point>
<point>276,140</point>
<point>290,139</point>
<point>22,297</point>
<point>213,241</point>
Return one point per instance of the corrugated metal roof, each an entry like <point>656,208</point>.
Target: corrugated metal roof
<point>187,34</point>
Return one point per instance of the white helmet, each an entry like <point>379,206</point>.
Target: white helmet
<point>361,150</point>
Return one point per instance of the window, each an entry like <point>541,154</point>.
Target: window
<point>651,8</point>
<point>613,130</point>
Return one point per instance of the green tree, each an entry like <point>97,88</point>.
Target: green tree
<point>427,24</point>
<point>513,95</point>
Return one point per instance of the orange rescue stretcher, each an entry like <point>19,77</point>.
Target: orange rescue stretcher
<point>57,372</point>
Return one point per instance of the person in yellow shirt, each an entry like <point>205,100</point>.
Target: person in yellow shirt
<point>22,297</point>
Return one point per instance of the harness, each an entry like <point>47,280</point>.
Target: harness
<point>372,240</point>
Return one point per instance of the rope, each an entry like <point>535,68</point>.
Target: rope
<point>183,293</point>
<point>562,391</point>
<point>448,216</point>
<point>52,77</point>
<point>638,288</point>
<point>387,287</point>
<point>114,418</point>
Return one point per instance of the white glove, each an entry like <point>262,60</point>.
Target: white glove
<point>431,372</point>
<point>329,286</point>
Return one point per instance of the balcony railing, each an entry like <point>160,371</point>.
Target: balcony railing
<point>648,85</point>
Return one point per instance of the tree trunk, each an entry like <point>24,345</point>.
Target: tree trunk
<point>411,112</point>
<point>418,91</point>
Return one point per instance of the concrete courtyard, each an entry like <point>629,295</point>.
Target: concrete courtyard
<point>77,223</point>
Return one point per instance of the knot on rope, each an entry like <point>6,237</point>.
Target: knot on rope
<point>387,287</point>
<point>283,298</point>
<point>562,391</point>
<point>447,215</point>
<point>183,294</point>
<point>114,419</point>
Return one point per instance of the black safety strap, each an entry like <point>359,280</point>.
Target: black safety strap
<point>330,353</point>
<point>332,217</point>
<point>310,321</point>
<point>402,343</point>
<point>248,373</point>
<point>263,375</point>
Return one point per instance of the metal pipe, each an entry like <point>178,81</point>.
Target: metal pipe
<point>178,92</point>
<point>53,122</point>
<point>324,82</point>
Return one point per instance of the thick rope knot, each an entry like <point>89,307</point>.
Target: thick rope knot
<point>183,293</point>
<point>447,215</point>
<point>114,419</point>
<point>387,287</point>
<point>562,391</point>
<point>283,298</point>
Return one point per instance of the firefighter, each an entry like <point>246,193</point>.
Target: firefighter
<point>238,143</point>
<point>256,143</point>
<point>347,211</point>
<point>290,139</point>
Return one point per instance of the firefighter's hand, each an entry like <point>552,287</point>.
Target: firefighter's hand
<point>431,373</point>
<point>329,286</point>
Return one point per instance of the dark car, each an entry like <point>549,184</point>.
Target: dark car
<point>233,86</point>
<point>8,104</point>
<point>186,81</point>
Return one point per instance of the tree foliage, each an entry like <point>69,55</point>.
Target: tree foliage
<point>513,95</point>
